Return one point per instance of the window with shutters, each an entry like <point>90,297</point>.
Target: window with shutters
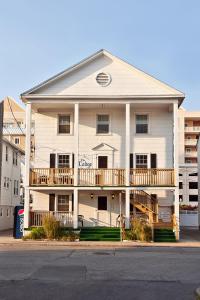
<point>142,123</point>
<point>64,126</point>
<point>63,161</point>
<point>63,202</point>
<point>103,124</point>
<point>141,161</point>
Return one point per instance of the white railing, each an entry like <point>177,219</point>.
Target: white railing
<point>191,154</point>
<point>191,142</point>
<point>65,218</point>
<point>192,129</point>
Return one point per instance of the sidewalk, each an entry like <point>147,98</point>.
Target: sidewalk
<point>9,241</point>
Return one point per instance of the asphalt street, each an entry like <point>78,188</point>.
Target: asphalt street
<point>136,273</point>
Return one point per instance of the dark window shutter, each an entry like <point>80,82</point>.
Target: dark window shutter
<point>72,160</point>
<point>52,160</point>
<point>72,201</point>
<point>153,161</point>
<point>131,160</point>
<point>51,202</point>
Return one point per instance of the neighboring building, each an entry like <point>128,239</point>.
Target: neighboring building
<point>104,131</point>
<point>14,130</point>
<point>198,155</point>
<point>189,130</point>
<point>10,182</point>
<point>14,122</point>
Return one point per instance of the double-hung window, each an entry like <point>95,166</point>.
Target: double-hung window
<point>63,161</point>
<point>103,124</point>
<point>16,187</point>
<point>6,153</point>
<point>15,158</point>
<point>64,124</point>
<point>142,123</point>
<point>141,161</point>
<point>63,202</point>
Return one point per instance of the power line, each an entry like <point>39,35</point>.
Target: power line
<point>14,117</point>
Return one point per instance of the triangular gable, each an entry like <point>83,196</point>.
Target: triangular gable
<point>103,147</point>
<point>80,80</point>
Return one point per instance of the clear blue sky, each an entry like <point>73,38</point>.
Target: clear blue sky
<point>40,38</point>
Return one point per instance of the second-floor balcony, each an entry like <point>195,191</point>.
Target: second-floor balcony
<point>101,177</point>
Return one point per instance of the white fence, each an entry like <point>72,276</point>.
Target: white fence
<point>189,218</point>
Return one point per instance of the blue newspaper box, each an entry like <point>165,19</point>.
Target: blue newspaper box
<point>18,222</point>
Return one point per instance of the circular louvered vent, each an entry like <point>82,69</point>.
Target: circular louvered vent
<point>103,79</point>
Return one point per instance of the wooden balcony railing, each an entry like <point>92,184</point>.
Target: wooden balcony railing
<point>152,177</point>
<point>101,177</point>
<point>52,176</point>
<point>65,218</point>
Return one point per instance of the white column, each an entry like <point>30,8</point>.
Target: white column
<point>176,210</point>
<point>127,209</point>
<point>76,135</point>
<point>75,218</point>
<point>176,163</point>
<point>127,143</point>
<point>175,142</point>
<point>27,164</point>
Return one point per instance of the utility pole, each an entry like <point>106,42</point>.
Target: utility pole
<point>1,135</point>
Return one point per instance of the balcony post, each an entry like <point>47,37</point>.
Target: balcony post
<point>76,135</point>
<point>127,143</point>
<point>75,217</point>
<point>175,142</point>
<point>127,209</point>
<point>27,164</point>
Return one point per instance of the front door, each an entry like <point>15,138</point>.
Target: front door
<point>102,211</point>
<point>101,176</point>
<point>102,162</point>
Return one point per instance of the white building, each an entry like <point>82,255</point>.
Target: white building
<point>189,130</point>
<point>102,128</point>
<point>10,183</point>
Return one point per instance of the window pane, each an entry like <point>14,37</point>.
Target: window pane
<point>63,161</point>
<point>64,124</point>
<point>63,203</point>
<point>103,124</point>
<point>141,161</point>
<point>142,123</point>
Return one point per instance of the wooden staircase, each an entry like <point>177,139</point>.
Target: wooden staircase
<point>146,204</point>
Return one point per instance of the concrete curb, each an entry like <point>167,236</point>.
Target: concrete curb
<point>127,244</point>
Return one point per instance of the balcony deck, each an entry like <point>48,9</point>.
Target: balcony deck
<point>101,177</point>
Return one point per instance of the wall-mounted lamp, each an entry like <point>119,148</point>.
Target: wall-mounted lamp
<point>113,196</point>
<point>91,196</point>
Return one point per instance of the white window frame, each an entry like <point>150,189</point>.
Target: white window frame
<point>57,198</point>
<point>71,123</point>
<point>70,158</point>
<point>103,114</point>
<point>149,122</point>
<point>148,159</point>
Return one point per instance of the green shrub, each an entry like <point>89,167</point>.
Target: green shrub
<point>51,227</point>
<point>69,236</point>
<point>140,230</point>
<point>36,233</point>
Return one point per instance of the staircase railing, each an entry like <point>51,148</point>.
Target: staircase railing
<point>143,198</point>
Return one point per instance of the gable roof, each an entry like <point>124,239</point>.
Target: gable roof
<point>143,84</point>
<point>104,147</point>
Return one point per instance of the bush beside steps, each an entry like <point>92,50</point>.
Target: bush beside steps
<point>51,230</point>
